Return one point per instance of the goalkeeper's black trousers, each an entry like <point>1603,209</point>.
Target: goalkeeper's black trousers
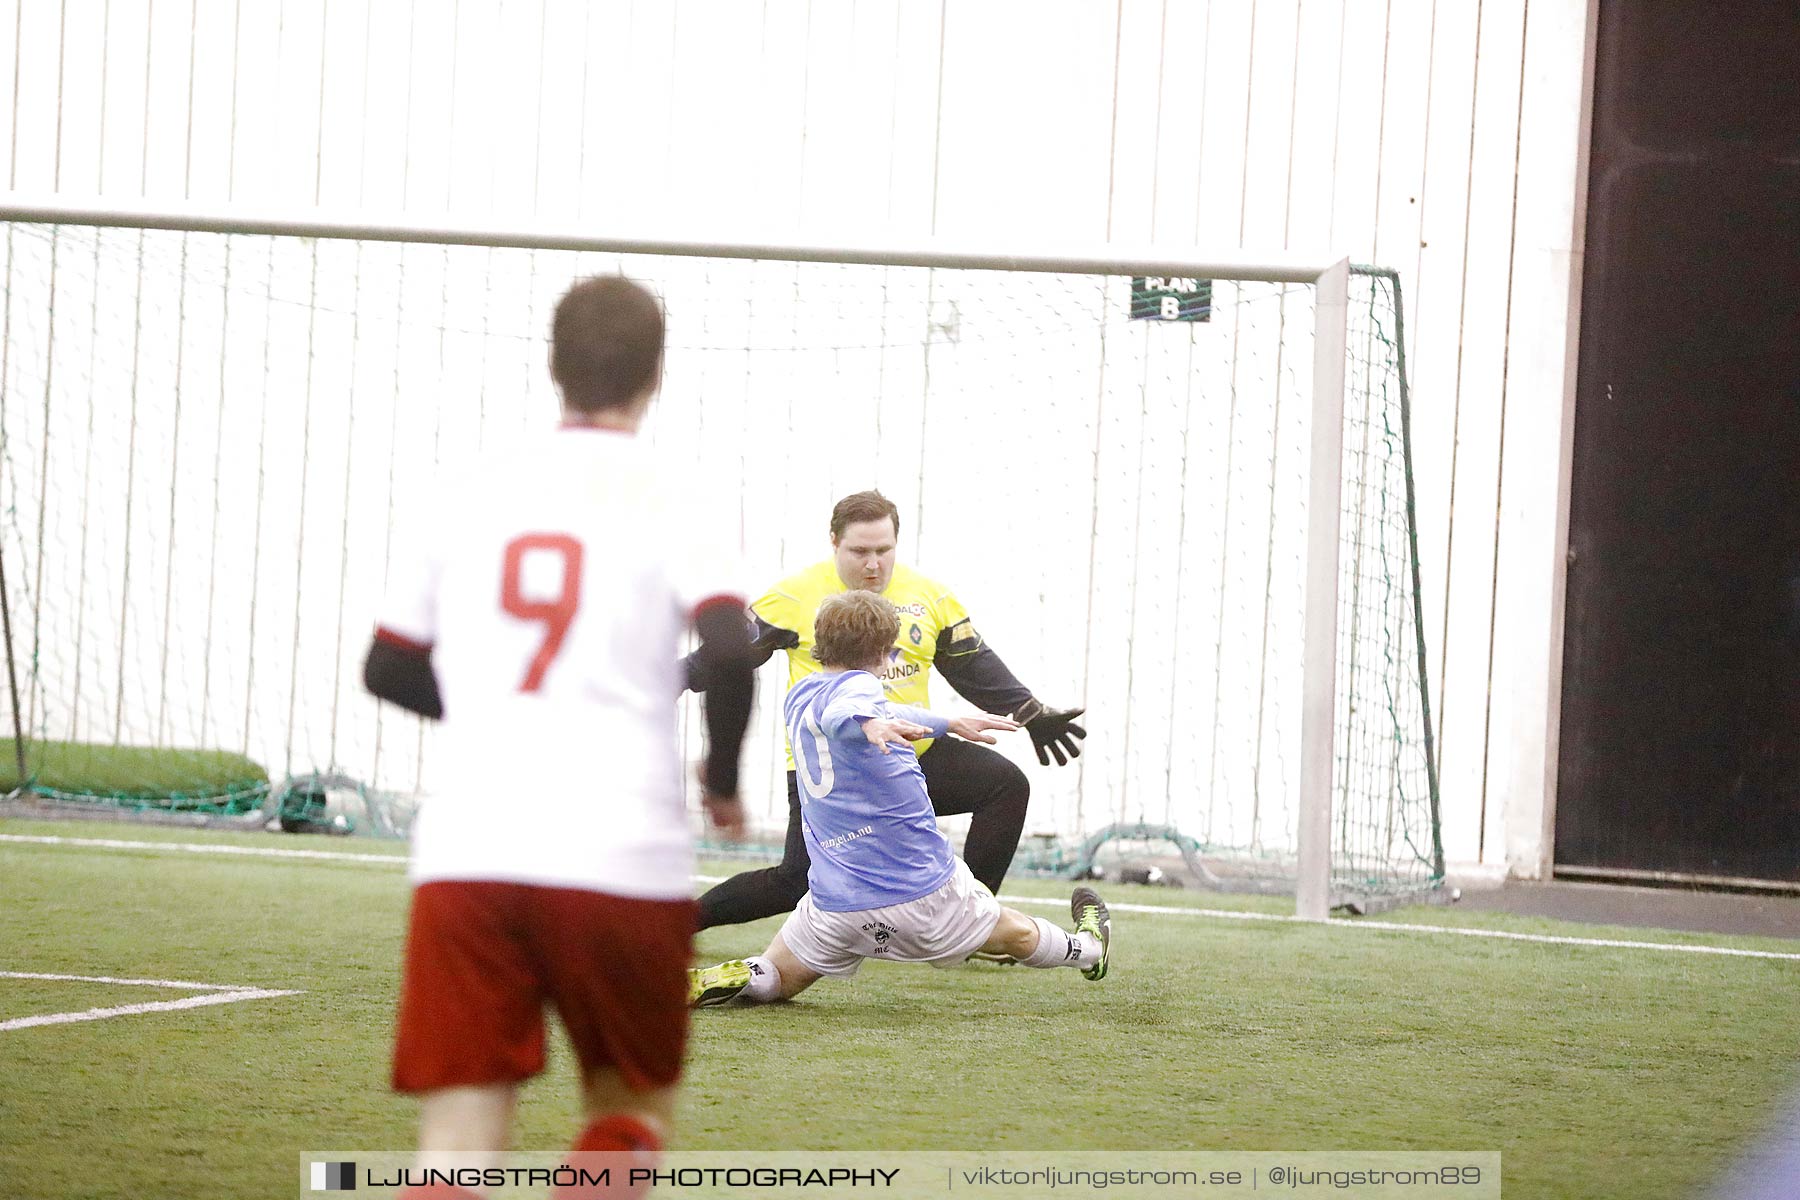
<point>961,777</point>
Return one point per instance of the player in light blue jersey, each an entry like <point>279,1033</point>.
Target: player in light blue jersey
<point>864,811</point>
<point>883,882</point>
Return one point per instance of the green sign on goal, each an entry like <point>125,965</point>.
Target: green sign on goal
<point>1160,298</point>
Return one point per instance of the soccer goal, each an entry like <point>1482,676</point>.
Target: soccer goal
<point>1173,485</point>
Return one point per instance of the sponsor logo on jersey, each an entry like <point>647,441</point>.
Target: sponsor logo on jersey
<point>843,838</point>
<point>899,671</point>
<point>911,610</point>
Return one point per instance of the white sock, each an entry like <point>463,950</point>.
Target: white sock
<point>1060,948</point>
<point>765,981</point>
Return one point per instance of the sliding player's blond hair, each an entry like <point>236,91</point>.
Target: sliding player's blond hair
<point>854,629</point>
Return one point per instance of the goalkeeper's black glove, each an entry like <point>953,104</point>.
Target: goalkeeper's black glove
<point>1054,731</point>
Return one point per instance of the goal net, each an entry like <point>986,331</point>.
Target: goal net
<point>206,439</point>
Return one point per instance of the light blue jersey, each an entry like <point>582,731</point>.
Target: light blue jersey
<point>869,826</point>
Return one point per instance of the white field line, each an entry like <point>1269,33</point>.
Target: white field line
<point>1220,914</point>
<point>126,1010</point>
<point>161,983</point>
<point>1547,939</point>
<point>216,993</point>
<point>206,848</point>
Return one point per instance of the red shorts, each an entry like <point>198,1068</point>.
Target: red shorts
<point>483,959</point>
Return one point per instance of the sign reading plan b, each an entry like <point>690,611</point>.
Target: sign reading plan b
<point>1168,298</point>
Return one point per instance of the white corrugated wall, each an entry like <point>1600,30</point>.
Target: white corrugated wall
<point>1440,137</point>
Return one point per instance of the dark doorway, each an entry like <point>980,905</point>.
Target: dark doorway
<point>1681,682</point>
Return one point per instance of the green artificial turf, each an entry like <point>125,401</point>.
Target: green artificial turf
<point>1597,1072</point>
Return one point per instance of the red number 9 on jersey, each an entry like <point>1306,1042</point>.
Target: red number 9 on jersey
<point>556,614</point>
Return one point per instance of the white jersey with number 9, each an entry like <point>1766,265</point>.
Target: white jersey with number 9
<point>554,587</point>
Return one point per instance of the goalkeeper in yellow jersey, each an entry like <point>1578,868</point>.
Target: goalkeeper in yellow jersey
<point>935,632</point>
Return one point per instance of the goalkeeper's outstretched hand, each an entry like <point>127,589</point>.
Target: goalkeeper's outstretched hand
<point>1054,732</point>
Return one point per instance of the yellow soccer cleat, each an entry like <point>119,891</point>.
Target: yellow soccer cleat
<point>708,986</point>
<point>1091,916</point>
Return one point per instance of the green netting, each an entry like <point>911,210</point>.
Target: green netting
<point>1385,813</point>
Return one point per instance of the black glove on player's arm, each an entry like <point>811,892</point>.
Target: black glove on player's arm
<point>1054,732</point>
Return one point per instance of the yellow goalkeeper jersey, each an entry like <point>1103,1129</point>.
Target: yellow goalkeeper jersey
<point>930,616</point>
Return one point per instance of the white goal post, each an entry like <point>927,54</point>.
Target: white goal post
<point>1322,708</point>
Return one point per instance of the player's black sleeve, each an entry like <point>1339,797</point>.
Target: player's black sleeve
<point>978,675</point>
<point>402,675</point>
<point>729,659</point>
<point>765,639</point>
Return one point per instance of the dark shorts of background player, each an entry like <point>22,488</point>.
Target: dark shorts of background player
<point>484,959</point>
<point>961,777</point>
